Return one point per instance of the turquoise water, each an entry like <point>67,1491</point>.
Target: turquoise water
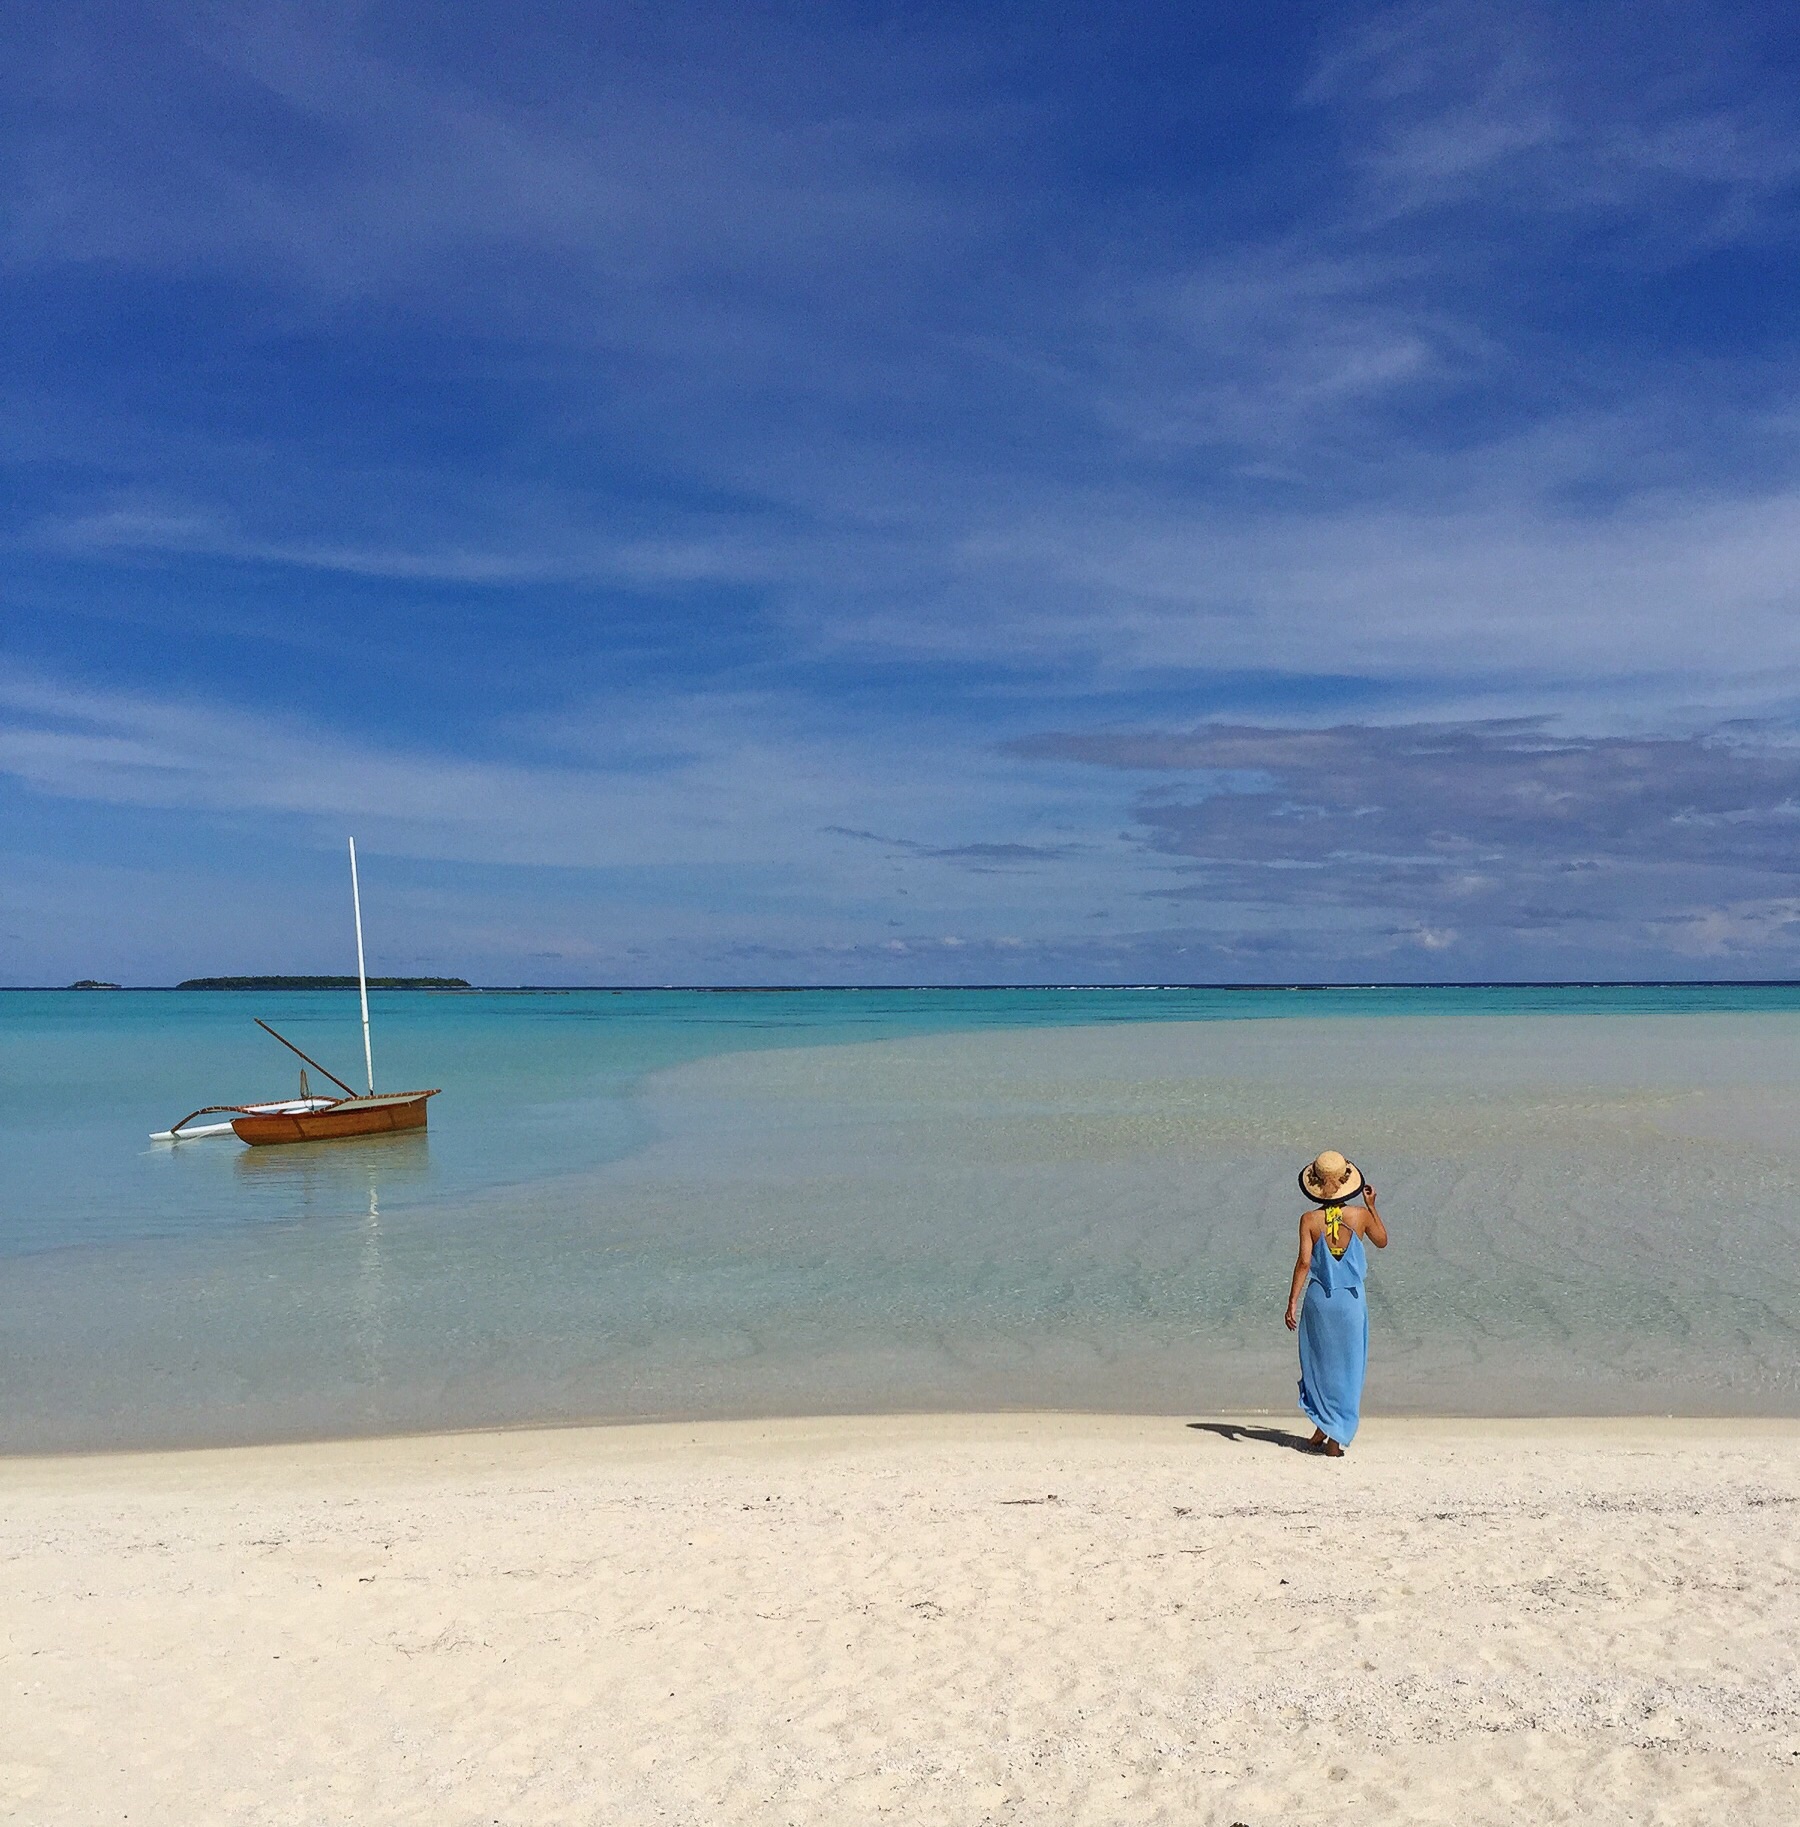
<point>690,1202</point>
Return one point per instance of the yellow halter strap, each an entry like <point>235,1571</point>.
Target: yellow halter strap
<point>1334,1230</point>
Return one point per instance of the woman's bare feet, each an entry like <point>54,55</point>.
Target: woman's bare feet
<point>1318,1438</point>
<point>1333,1450</point>
<point>1322,1444</point>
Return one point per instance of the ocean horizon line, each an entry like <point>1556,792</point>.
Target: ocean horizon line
<point>895,989</point>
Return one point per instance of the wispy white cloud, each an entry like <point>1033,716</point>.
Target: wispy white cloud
<point>735,788</point>
<point>1660,601</point>
<point>399,175</point>
<point>1491,583</point>
<point>726,550</point>
<point>1628,116</point>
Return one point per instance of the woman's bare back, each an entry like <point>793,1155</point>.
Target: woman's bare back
<point>1346,1221</point>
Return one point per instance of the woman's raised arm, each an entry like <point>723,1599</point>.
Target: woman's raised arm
<point>1375,1231</point>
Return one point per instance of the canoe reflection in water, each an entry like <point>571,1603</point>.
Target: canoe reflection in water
<point>360,1165</point>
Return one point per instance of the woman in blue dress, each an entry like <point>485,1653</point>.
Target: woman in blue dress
<point>1325,1304</point>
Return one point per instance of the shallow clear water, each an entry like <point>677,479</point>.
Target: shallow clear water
<point>692,1202</point>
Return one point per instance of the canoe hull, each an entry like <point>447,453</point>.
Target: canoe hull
<point>353,1117</point>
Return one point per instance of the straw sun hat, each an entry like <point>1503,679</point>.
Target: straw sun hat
<point>1331,1180</point>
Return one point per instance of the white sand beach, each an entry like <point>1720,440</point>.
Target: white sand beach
<point>1021,1618</point>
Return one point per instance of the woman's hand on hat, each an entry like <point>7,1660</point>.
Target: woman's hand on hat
<point>1368,1193</point>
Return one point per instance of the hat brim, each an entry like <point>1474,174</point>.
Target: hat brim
<point>1344,1194</point>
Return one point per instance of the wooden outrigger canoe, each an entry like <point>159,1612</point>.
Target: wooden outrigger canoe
<point>313,1119</point>
<point>308,1118</point>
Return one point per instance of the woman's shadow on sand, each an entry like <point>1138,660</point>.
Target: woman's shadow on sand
<point>1262,1436</point>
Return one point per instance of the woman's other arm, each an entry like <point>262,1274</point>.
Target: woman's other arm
<point>1302,1268</point>
<point>1374,1230</point>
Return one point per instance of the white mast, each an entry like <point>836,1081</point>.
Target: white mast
<point>362,975</point>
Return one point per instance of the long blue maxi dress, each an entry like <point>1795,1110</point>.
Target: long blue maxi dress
<point>1334,1338</point>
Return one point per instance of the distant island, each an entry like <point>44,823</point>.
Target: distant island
<point>314,983</point>
<point>92,983</point>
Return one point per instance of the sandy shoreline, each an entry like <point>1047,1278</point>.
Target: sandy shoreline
<point>936,1618</point>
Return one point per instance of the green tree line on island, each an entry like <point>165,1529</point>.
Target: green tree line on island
<point>324,983</point>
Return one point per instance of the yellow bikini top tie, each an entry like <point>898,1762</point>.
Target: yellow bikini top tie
<point>1335,1227</point>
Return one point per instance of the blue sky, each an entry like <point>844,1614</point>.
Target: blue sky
<point>901,494</point>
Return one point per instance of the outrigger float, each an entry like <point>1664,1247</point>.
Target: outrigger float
<point>308,1118</point>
